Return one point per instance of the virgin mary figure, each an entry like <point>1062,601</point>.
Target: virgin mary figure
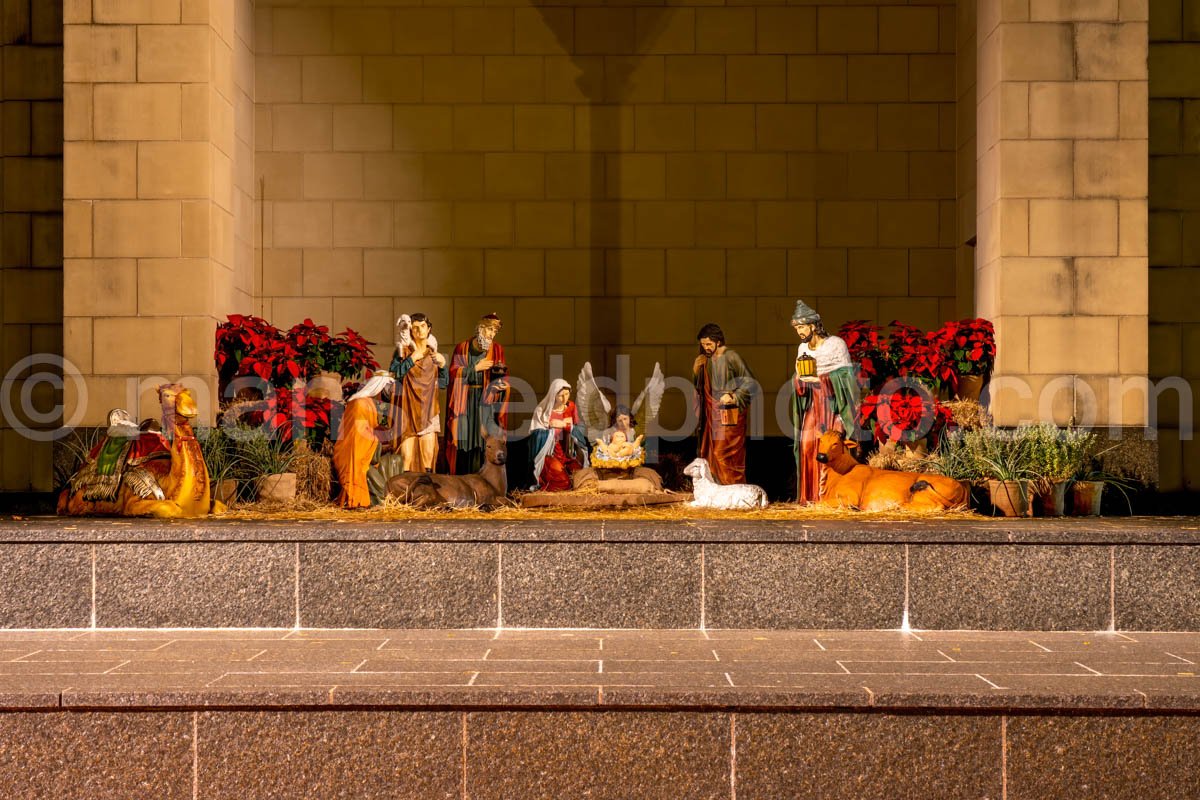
<point>560,444</point>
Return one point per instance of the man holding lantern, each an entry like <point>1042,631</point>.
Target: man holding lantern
<point>826,397</point>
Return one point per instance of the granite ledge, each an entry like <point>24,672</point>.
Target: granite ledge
<point>983,530</point>
<point>580,698</point>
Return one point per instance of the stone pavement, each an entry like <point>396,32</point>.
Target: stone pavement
<point>994,671</point>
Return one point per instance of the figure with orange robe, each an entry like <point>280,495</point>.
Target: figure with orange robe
<point>724,390</point>
<point>357,448</point>
<point>477,401</point>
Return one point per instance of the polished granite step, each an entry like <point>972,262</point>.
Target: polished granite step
<point>935,574</point>
<point>613,714</point>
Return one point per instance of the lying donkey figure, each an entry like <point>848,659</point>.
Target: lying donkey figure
<point>485,489</point>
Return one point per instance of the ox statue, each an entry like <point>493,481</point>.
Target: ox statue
<point>849,484</point>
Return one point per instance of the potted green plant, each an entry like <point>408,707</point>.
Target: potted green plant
<point>1057,455</point>
<point>955,459</point>
<point>1004,458</point>
<point>220,460</point>
<point>266,463</point>
<point>1087,490</point>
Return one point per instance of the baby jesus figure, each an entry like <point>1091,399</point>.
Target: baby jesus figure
<point>619,446</point>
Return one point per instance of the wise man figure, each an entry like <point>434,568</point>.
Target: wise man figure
<point>420,372</point>
<point>825,398</point>
<point>724,389</point>
<point>478,398</point>
<point>356,451</point>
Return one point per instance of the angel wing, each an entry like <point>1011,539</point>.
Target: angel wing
<point>645,408</point>
<point>593,406</point>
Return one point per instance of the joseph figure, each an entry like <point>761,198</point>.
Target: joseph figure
<point>478,398</point>
<point>724,389</point>
<point>420,373</point>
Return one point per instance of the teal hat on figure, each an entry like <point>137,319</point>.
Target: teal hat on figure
<point>804,313</point>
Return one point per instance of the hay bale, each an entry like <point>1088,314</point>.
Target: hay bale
<point>314,476</point>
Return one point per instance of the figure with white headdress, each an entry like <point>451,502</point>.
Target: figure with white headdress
<point>559,439</point>
<point>356,452</point>
<point>825,397</point>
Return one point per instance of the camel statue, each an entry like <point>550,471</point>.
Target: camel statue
<point>143,473</point>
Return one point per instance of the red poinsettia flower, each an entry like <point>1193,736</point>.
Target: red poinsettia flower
<point>906,414</point>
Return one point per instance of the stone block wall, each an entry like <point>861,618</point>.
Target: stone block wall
<point>157,194</point>
<point>31,226</point>
<point>607,178</point>
<point>966,61</point>
<point>1175,232</point>
<point>1062,207</point>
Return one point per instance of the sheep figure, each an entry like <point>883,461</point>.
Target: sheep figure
<point>707,493</point>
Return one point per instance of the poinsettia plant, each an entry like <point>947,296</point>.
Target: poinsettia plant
<point>969,346</point>
<point>250,346</point>
<point>310,341</point>
<point>238,337</point>
<point>904,415</point>
<point>294,414</point>
<point>919,355</point>
<point>291,414</point>
<point>868,349</point>
<point>274,361</point>
<point>906,351</point>
<point>349,355</point>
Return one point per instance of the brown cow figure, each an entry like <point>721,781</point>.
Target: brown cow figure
<point>485,489</point>
<point>849,484</point>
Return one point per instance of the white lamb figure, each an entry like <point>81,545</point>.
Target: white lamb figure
<point>707,493</point>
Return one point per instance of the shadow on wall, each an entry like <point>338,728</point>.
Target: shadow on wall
<point>1174,244</point>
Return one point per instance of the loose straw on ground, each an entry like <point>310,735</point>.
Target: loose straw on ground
<point>391,511</point>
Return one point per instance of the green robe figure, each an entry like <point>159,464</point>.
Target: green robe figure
<point>477,402</point>
<point>724,389</point>
<point>826,397</point>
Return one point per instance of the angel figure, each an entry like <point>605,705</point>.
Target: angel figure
<point>603,422</point>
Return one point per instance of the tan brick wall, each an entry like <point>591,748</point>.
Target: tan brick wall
<point>158,187</point>
<point>607,178</point>
<point>1174,334</point>
<point>1061,265</point>
<point>31,228</point>
<point>966,143</point>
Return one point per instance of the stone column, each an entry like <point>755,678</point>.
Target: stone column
<point>30,238</point>
<point>1061,266</point>
<point>151,110</point>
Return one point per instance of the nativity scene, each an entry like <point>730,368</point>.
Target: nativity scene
<point>874,420</point>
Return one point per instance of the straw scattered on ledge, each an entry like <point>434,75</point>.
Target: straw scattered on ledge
<point>391,511</point>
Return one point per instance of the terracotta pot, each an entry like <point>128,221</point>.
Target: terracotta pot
<point>1010,498</point>
<point>1085,498</point>
<point>278,488</point>
<point>326,384</point>
<point>969,387</point>
<point>1052,503</point>
<point>226,490</point>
